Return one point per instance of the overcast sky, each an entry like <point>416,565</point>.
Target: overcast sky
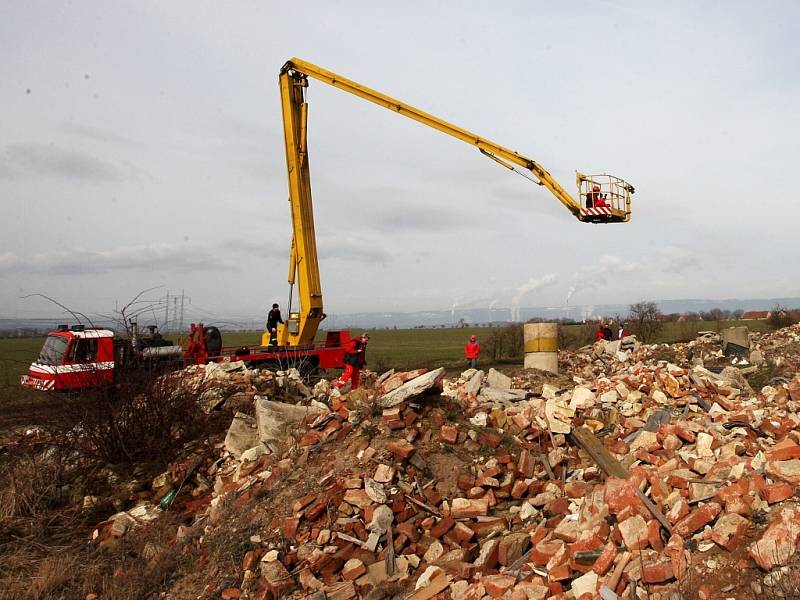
<point>141,146</point>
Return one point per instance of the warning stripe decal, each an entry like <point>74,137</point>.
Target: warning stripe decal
<point>79,368</point>
<point>596,211</point>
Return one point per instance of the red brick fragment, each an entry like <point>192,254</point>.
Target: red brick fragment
<point>497,585</point>
<point>301,503</point>
<point>443,526</point>
<point>448,434</point>
<point>658,571</point>
<point>634,532</point>
<point>462,508</point>
<point>279,580</point>
<point>400,448</point>
<point>315,510</point>
<point>353,569</point>
<point>776,492</point>
<point>290,525</point>
<point>462,533</point>
<point>697,519</point>
<point>490,438</point>
<point>620,494</point>
<point>512,547</point>
<point>606,559</point>
<point>728,531</point>
<point>739,488</point>
<point>780,541</point>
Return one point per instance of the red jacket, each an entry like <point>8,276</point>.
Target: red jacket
<point>354,351</point>
<point>599,335</point>
<point>472,350</point>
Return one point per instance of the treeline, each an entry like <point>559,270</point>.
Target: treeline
<point>23,332</point>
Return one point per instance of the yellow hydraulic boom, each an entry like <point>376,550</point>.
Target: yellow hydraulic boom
<point>301,326</point>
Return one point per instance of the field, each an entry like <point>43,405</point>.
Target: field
<point>16,403</point>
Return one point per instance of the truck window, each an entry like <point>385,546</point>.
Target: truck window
<point>53,350</point>
<point>84,350</point>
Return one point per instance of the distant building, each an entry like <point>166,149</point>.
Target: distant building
<point>756,315</point>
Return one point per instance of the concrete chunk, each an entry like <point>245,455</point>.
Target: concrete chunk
<point>412,388</point>
<point>496,379</point>
<point>242,434</point>
<point>274,419</point>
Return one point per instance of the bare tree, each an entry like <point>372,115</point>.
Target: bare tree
<point>645,319</point>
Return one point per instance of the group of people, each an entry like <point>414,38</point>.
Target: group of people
<point>604,332</point>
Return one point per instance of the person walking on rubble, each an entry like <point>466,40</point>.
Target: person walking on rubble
<point>471,352</point>
<point>355,357</point>
<point>622,332</point>
<point>599,334</point>
<point>273,318</point>
<point>607,333</point>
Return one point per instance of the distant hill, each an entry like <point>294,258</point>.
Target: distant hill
<point>471,316</point>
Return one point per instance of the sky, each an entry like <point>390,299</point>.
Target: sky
<point>141,147</point>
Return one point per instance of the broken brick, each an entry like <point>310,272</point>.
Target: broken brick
<point>728,531</point>
<point>697,519</point>
<point>448,434</point>
<point>463,508</point>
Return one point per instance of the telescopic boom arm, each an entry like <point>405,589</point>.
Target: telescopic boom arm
<point>301,327</point>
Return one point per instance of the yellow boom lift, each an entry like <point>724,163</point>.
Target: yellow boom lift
<point>302,325</point>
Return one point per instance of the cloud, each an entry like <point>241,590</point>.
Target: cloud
<point>529,286</point>
<point>48,160</point>
<point>353,249</point>
<point>146,258</point>
<point>391,210</point>
<point>95,134</point>
<point>343,248</point>
<point>610,269</point>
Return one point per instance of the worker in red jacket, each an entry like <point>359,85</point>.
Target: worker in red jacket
<point>471,351</point>
<point>354,361</point>
<point>599,334</point>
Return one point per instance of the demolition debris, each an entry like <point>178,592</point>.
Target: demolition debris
<point>624,477</point>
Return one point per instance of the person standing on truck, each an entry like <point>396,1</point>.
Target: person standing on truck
<point>471,352</point>
<point>273,318</point>
<point>355,357</point>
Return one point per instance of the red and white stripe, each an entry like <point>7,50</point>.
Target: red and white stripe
<point>38,384</point>
<point>596,212</point>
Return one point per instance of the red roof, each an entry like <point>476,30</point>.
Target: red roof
<point>756,315</point>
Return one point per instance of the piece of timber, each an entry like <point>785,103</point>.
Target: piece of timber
<point>587,440</point>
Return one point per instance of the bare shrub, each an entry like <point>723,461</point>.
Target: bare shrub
<point>780,317</point>
<point>645,319</point>
<point>504,343</point>
<point>145,417</point>
<point>576,336</point>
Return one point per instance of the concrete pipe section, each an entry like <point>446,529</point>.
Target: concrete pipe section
<point>541,346</point>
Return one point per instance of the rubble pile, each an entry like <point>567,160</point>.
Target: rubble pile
<point>625,479</point>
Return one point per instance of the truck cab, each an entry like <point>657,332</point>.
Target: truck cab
<point>73,358</point>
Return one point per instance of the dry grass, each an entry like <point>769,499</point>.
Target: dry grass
<point>45,548</point>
